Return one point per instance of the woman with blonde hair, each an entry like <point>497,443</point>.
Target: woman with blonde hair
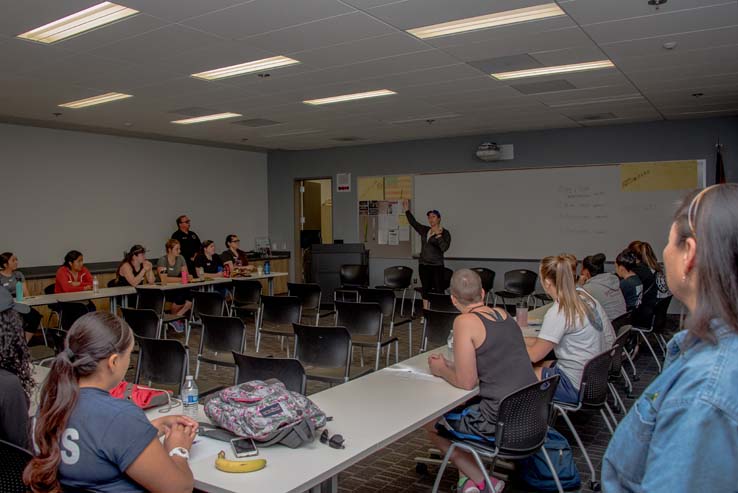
<point>576,328</point>
<point>681,435</point>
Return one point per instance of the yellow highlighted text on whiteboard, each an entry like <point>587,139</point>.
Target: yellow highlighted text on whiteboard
<point>662,175</point>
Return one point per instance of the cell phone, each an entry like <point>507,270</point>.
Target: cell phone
<point>244,447</point>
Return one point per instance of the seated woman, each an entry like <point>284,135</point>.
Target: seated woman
<point>170,267</point>
<point>681,435</point>
<point>575,327</point>
<point>208,260</point>
<point>88,440</point>
<point>630,283</point>
<point>73,276</point>
<point>135,269</point>
<point>603,286</point>
<point>10,276</point>
<point>16,381</point>
<point>235,258</point>
<point>647,257</point>
<point>489,351</point>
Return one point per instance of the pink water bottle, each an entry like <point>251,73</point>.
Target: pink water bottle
<point>185,280</point>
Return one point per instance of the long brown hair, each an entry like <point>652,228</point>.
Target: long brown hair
<point>559,270</point>
<point>711,218</point>
<point>645,254</point>
<point>128,259</point>
<point>93,338</point>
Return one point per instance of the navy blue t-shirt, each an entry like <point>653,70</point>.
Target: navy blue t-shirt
<point>103,438</point>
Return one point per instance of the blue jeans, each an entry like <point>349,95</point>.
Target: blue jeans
<point>565,391</point>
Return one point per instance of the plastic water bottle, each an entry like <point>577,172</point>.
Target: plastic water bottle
<point>95,285</point>
<point>267,268</point>
<point>521,313</point>
<point>184,276</point>
<point>19,291</point>
<point>450,343</point>
<point>190,395</point>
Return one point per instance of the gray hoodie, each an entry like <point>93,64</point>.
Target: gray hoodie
<point>605,288</point>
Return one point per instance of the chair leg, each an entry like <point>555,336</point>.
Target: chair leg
<point>257,336</point>
<point>662,342</point>
<point>402,302</point>
<point>361,355</point>
<point>397,352</point>
<point>410,339</point>
<point>376,358</point>
<point>197,369</point>
<point>650,348</point>
<point>607,421</point>
<point>618,399</point>
<point>612,415</point>
<point>628,383</point>
<point>188,327</point>
<point>552,469</point>
<point>632,365</point>
<point>592,472</point>
<point>441,469</point>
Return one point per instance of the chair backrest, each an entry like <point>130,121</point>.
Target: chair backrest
<point>364,319</point>
<point>659,314</point>
<point>69,312</point>
<point>441,302</point>
<point>281,309</point>
<point>207,303</point>
<point>14,460</point>
<point>521,282</point>
<point>447,275</point>
<point>354,275</point>
<point>163,361</point>
<point>222,334</point>
<point>398,277</point>
<point>58,339</point>
<point>287,370</point>
<point>50,288</point>
<point>144,323</point>
<point>622,321</point>
<point>593,391</point>
<point>323,346</point>
<point>308,293</point>
<point>523,416</point>
<point>246,290</point>
<point>384,297</point>
<point>621,342</point>
<point>438,325</point>
<point>487,276</point>
<point>150,299</point>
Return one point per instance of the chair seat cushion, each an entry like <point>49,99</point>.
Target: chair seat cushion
<point>280,330</point>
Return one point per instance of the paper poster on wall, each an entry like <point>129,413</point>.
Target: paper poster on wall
<point>394,237</point>
<point>364,208</point>
<point>382,237</point>
<point>404,233</point>
<point>370,187</point>
<point>373,208</point>
<point>343,182</point>
<point>398,187</point>
<point>668,175</point>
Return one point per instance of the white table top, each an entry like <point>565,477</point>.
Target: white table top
<point>47,299</point>
<point>369,412</point>
<point>535,319</point>
<point>208,281</point>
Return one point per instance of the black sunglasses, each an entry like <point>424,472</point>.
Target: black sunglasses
<point>335,441</point>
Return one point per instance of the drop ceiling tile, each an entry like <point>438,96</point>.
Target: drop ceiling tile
<point>368,4</point>
<point>85,70</point>
<point>647,82</point>
<point>665,23</point>
<point>360,51</point>
<point>318,34</point>
<point>17,55</point>
<point>579,54</point>
<point>263,16</point>
<point>177,10</point>
<point>21,16</point>
<point>697,69</point>
<point>217,55</point>
<point>695,40</point>
<point>126,28</point>
<point>584,96</point>
<point>452,87</point>
<point>669,59</point>
<point>593,11</point>
<point>181,86</point>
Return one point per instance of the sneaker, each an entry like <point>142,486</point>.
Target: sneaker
<point>178,326</point>
<point>466,485</point>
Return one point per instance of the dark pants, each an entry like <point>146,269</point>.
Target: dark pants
<point>431,277</point>
<point>31,321</point>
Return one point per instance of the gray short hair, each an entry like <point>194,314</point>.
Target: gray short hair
<point>466,287</point>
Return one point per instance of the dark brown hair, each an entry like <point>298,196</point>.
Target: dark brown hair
<point>645,254</point>
<point>14,355</point>
<point>128,259</point>
<point>711,218</point>
<point>93,337</point>
<point>5,259</point>
<point>628,259</point>
<point>595,264</point>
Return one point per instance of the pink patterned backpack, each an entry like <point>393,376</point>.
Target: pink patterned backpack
<point>266,412</point>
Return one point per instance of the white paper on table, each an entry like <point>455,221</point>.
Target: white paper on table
<point>404,233</point>
<point>382,237</point>
<point>408,373</point>
<point>393,238</point>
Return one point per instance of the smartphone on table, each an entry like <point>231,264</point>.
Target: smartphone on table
<point>244,447</point>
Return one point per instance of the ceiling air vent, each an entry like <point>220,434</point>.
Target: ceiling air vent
<point>256,122</point>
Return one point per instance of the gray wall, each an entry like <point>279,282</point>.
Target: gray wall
<point>656,141</point>
<point>100,194</point>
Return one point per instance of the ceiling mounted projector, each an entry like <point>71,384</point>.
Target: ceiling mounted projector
<point>489,151</point>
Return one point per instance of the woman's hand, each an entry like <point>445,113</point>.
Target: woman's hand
<point>436,363</point>
<point>147,266</point>
<point>405,205</point>
<point>179,436</point>
<point>165,422</point>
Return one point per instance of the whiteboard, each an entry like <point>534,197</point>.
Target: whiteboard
<point>534,212</point>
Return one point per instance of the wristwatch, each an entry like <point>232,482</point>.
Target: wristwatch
<point>180,452</point>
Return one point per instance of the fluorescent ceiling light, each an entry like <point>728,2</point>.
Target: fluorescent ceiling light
<point>350,97</point>
<point>559,69</point>
<point>246,68</point>
<point>206,118</point>
<point>486,21</point>
<point>83,21</point>
<point>103,98</point>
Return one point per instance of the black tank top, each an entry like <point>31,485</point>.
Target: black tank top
<point>503,364</point>
<point>122,281</point>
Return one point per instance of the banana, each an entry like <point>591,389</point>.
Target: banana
<point>225,465</point>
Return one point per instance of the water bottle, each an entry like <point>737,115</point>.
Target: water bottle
<point>521,313</point>
<point>267,268</point>
<point>19,291</point>
<point>184,276</point>
<point>95,285</point>
<point>190,395</point>
<point>450,343</point>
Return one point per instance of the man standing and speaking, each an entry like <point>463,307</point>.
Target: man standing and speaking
<point>188,241</point>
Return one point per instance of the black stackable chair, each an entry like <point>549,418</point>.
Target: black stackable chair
<point>437,326</point>
<point>143,322</point>
<point>441,302</point>
<point>154,299</point>
<point>279,313</point>
<point>289,371</point>
<point>162,361</point>
<point>70,312</point>
<point>388,303</point>
<point>519,283</point>
<point>14,460</point>
<point>488,281</point>
<point>207,303</point>
<point>310,296</point>
<point>222,335</point>
<point>364,323</point>
<point>246,298</point>
<point>325,352</point>
<point>398,278</point>
<point>354,276</point>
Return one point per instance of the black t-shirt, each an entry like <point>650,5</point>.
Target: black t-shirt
<point>210,266</point>
<point>189,242</point>
<point>13,410</point>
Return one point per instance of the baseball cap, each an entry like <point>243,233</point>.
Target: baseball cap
<point>433,211</point>
<point>7,302</point>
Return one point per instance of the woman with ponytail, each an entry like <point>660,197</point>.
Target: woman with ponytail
<point>88,440</point>
<point>134,269</point>
<point>576,328</point>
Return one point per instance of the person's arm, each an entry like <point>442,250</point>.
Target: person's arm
<point>462,372</point>
<point>66,283</point>
<point>126,271</point>
<point>552,331</point>
<point>85,279</point>
<point>538,348</point>
<point>149,270</point>
<point>693,448</point>
<point>156,471</point>
<point>443,240</point>
<point>161,268</point>
<point>25,286</point>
